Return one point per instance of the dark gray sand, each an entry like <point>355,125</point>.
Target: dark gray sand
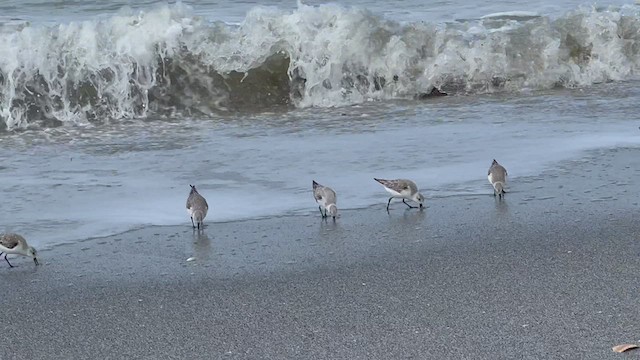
<point>550,272</point>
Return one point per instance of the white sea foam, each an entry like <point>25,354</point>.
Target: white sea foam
<point>511,15</point>
<point>167,61</point>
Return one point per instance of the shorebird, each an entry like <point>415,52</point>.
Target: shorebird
<point>16,244</point>
<point>497,176</point>
<point>326,199</point>
<point>196,207</point>
<point>404,189</point>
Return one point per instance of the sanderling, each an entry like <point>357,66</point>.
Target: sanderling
<point>326,198</point>
<point>497,176</point>
<point>16,244</point>
<point>402,188</point>
<point>196,207</point>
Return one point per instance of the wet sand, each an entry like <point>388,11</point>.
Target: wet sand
<point>548,273</point>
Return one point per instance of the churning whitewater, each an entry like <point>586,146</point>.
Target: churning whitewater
<point>169,62</point>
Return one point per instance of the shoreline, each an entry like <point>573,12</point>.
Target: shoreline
<point>546,273</point>
<point>462,190</point>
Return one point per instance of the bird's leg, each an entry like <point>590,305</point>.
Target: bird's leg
<point>410,207</point>
<point>192,223</point>
<point>321,213</point>
<point>389,203</point>
<point>7,260</point>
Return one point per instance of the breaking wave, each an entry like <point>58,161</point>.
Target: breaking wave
<point>168,62</point>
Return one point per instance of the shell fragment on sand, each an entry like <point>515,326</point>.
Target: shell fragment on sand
<point>624,347</point>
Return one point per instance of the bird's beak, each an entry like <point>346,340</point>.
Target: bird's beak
<point>35,260</point>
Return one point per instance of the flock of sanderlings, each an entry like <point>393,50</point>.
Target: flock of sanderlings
<point>326,198</point>
<point>403,189</point>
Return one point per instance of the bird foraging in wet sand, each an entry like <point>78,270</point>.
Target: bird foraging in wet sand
<point>16,244</point>
<point>197,208</point>
<point>326,199</point>
<point>404,189</point>
<point>497,176</point>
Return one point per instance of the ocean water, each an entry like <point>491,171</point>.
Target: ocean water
<point>110,109</point>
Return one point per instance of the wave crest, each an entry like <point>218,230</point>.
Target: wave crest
<point>168,62</point>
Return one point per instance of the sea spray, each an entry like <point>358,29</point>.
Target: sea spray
<point>169,62</point>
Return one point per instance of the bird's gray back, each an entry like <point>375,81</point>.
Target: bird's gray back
<point>325,192</point>
<point>196,201</point>
<point>498,173</point>
<point>399,185</point>
<point>10,241</point>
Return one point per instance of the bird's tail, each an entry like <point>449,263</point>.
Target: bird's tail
<point>498,186</point>
<point>382,181</point>
<point>198,216</point>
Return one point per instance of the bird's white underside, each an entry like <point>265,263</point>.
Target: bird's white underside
<point>395,193</point>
